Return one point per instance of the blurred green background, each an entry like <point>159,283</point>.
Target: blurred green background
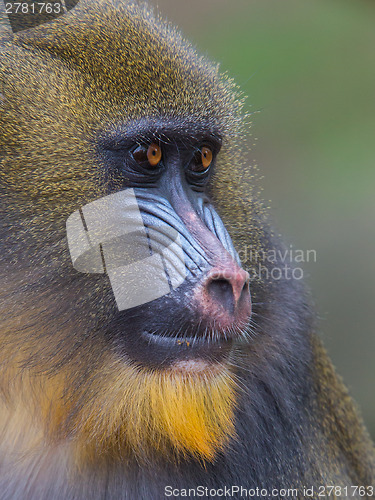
<point>308,70</point>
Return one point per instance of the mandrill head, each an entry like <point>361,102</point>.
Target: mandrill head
<point>125,309</point>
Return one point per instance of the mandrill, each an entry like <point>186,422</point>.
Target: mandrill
<point>140,358</point>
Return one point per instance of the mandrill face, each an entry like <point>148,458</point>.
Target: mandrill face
<point>182,296</point>
<point>119,151</point>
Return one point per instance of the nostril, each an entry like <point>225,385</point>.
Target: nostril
<point>245,288</point>
<point>221,291</point>
<point>224,296</point>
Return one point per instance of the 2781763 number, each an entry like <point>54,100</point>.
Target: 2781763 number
<point>33,8</point>
<point>346,491</point>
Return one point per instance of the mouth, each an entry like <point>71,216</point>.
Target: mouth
<point>192,343</point>
<point>165,334</point>
<point>173,349</point>
<point>157,351</point>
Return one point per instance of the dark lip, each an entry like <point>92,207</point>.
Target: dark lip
<point>157,351</point>
<point>188,342</point>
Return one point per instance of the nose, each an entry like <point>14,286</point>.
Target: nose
<point>228,287</point>
<point>223,297</point>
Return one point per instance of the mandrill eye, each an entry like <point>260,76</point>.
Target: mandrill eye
<point>202,160</point>
<point>154,154</point>
<point>148,156</point>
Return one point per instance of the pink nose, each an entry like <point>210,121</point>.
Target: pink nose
<point>224,296</point>
<point>229,286</point>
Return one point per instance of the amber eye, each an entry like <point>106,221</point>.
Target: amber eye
<point>150,156</point>
<point>206,157</point>
<point>202,159</point>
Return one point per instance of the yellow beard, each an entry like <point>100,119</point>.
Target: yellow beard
<point>146,413</point>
